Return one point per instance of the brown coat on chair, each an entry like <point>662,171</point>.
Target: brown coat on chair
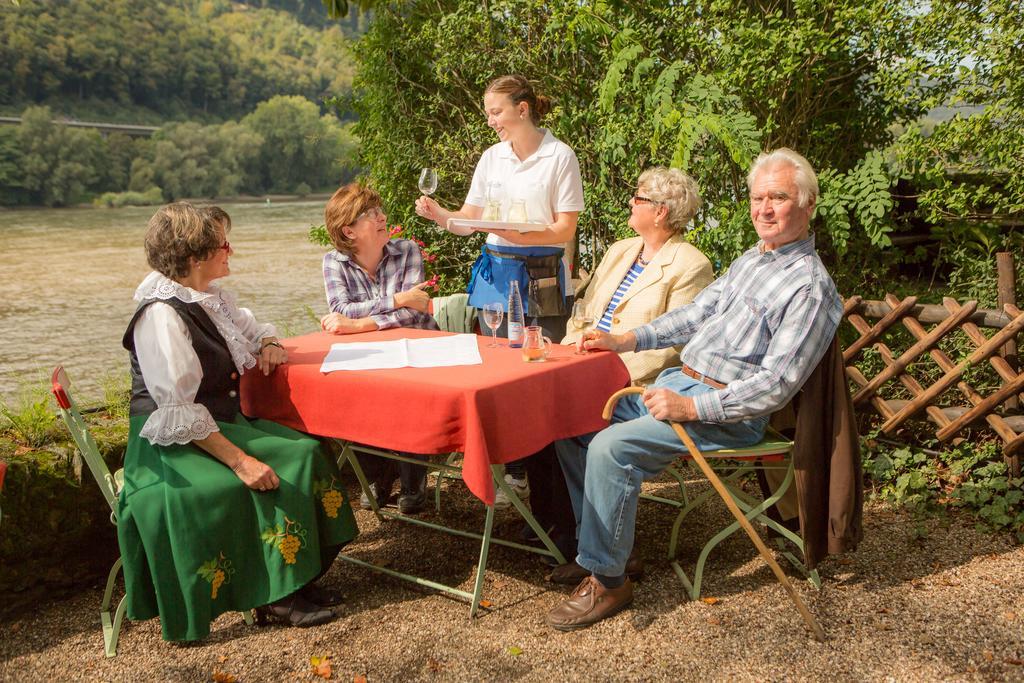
<point>826,453</point>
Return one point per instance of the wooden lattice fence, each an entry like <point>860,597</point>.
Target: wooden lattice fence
<point>916,370</point>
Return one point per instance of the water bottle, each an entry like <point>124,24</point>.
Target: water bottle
<point>516,319</point>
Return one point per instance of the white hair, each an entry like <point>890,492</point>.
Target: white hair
<point>803,176</point>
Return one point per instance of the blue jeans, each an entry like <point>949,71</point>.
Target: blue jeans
<point>604,470</point>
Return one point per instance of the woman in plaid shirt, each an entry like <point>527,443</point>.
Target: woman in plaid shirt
<point>374,283</point>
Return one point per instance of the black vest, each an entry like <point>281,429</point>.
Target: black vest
<point>218,390</point>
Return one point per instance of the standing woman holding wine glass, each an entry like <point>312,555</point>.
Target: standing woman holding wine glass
<point>536,170</point>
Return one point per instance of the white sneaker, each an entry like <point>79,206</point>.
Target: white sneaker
<point>521,487</point>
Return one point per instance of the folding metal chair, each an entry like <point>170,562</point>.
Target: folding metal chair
<point>110,485</point>
<point>773,451</point>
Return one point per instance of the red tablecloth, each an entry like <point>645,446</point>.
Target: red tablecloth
<point>492,413</point>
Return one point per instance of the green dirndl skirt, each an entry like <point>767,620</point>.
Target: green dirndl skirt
<point>196,542</point>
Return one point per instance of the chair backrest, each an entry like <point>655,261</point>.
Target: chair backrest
<point>83,439</point>
<point>454,314</point>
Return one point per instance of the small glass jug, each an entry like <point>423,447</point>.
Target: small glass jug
<point>536,346</point>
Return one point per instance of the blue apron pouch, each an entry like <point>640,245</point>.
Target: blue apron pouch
<point>538,270</point>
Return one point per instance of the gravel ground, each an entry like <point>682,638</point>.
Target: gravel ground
<point>946,606</point>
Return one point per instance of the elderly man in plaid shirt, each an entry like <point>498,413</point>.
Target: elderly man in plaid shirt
<point>752,339</point>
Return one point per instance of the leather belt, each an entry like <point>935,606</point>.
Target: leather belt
<point>701,378</point>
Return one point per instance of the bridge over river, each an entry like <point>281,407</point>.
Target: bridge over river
<point>104,128</point>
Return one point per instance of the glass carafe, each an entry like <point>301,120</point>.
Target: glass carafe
<point>536,346</point>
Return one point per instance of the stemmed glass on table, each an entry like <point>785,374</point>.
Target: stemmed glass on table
<point>428,181</point>
<point>493,313</point>
<point>581,318</point>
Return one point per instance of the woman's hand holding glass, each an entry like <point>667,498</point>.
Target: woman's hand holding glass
<point>493,313</point>
<point>598,340</point>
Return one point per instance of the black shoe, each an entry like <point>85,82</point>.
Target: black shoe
<point>381,490</point>
<point>412,503</point>
<point>293,610</point>
<point>319,595</point>
<point>412,497</point>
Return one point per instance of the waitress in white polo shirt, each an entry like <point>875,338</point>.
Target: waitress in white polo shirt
<point>531,166</point>
<point>528,168</point>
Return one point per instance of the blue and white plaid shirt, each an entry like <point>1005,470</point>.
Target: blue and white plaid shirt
<point>351,292</point>
<point>760,329</point>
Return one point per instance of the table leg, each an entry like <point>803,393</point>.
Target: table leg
<point>486,539</point>
<point>348,455</point>
<point>481,565</point>
<point>498,473</point>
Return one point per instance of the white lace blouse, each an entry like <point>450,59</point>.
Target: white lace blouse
<point>169,364</point>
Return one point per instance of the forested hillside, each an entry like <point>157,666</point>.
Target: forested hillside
<point>148,61</point>
<point>237,89</point>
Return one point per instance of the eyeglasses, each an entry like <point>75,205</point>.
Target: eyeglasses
<point>373,214</point>
<point>640,199</point>
<point>226,246</point>
<point>776,199</point>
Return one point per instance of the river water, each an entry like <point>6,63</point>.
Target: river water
<point>67,277</point>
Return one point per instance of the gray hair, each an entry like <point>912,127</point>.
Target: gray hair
<point>676,190</point>
<point>803,176</point>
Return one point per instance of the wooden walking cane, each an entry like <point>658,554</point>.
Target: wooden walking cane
<point>694,452</point>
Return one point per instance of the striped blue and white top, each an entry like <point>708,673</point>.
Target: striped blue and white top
<point>605,324</point>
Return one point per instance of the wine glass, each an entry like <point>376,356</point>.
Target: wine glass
<point>581,317</point>
<point>492,202</point>
<point>428,181</point>
<point>493,313</point>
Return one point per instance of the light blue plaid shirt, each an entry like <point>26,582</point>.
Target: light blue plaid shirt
<point>760,329</point>
<point>351,292</point>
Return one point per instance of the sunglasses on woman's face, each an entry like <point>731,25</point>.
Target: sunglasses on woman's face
<point>640,199</point>
<point>226,246</point>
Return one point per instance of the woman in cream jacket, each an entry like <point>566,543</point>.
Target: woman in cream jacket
<point>642,277</point>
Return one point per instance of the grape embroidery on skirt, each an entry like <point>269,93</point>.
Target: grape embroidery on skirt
<point>288,539</point>
<point>217,572</point>
<point>329,496</point>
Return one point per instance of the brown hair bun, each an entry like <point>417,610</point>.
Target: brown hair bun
<point>518,89</point>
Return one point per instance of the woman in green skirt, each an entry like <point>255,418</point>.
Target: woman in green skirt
<point>218,513</point>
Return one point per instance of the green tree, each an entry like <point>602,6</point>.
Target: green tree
<point>966,171</point>
<point>188,59</point>
<point>192,160</point>
<point>58,163</point>
<point>700,85</point>
<point>11,163</point>
<point>299,145</point>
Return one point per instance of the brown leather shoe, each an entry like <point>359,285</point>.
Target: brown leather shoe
<point>571,573</point>
<point>590,603</point>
